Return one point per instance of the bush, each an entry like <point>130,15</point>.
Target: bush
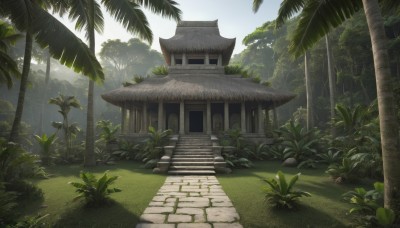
<point>368,207</point>
<point>94,191</point>
<point>7,205</point>
<point>347,171</point>
<point>280,193</point>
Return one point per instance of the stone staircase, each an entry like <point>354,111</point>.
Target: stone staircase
<point>193,155</point>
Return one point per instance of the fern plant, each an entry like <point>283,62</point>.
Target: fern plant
<point>45,143</point>
<point>94,191</point>
<point>280,193</point>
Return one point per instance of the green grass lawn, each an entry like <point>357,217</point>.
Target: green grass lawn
<point>138,186</point>
<point>323,209</point>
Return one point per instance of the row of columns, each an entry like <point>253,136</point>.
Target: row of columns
<point>130,123</point>
<point>185,62</point>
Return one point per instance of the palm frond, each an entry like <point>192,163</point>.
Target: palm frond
<point>287,9</point>
<point>79,11</point>
<point>18,11</point>
<point>256,5</point>
<point>64,45</point>
<point>130,16</point>
<point>166,8</point>
<point>317,19</point>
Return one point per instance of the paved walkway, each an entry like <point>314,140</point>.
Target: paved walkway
<point>190,202</point>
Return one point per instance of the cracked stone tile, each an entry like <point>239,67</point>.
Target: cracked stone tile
<point>190,211</point>
<point>158,210</point>
<point>194,204</point>
<point>194,225</point>
<point>152,218</point>
<point>146,225</point>
<point>159,198</point>
<point>179,218</point>
<point>222,214</point>
<point>194,199</point>
<point>227,225</point>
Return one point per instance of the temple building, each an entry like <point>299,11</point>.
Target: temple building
<point>196,96</point>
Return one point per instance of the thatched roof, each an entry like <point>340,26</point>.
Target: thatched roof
<point>197,87</point>
<point>195,37</point>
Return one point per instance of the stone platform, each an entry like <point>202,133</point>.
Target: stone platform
<point>190,202</point>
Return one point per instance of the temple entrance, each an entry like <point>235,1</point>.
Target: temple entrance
<point>195,121</point>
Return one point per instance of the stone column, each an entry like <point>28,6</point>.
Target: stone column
<point>208,117</point>
<point>182,118</point>
<point>219,60</point>
<point>172,59</point>
<point>243,117</point>
<point>260,119</point>
<point>123,118</point>
<point>144,119</point>
<point>184,60</point>
<point>207,60</point>
<point>132,120</point>
<point>160,115</point>
<point>226,116</point>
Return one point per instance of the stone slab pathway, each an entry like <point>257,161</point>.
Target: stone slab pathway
<point>190,202</point>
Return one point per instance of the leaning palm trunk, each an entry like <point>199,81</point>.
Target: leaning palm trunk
<point>310,120</point>
<point>387,114</point>
<point>89,159</point>
<point>14,134</point>
<point>331,78</point>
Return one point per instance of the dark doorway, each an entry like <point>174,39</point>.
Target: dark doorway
<point>195,121</point>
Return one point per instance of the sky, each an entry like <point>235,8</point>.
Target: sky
<point>235,19</point>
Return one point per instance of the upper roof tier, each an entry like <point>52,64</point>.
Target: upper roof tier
<point>198,37</point>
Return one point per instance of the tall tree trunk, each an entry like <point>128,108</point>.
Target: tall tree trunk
<point>89,158</point>
<point>14,134</point>
<point>310,119</point>
<point>67,137</point>
<point>331,77</point>
<point>386,105</point>
<point>46,85</point>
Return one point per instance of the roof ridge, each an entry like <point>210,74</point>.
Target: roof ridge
<point>198,23</point>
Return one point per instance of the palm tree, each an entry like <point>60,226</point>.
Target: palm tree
<point>9,67</point>
<point>31,17</point>
<point>88,16</point>
<point>317,18</point>
<point>66,103</point>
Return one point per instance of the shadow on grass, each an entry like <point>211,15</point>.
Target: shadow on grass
<point>74,169</point>
<point>113,215</point>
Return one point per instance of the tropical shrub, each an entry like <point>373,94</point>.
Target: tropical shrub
<point>46,154</point>
<point>368,207</point>
<point>108,131</point>
<point>239,156</point>
<point>257,152</point>
<point>160,70</point>
<point>7,205</point>
<point>298,143</point>
<point>235,162</point>
<point>280,193</point>
<point>65,103</point>
<point>94,191</point>
<point>15,162</point>
<point>127,150</point>
<point>152,150</point>
<point>332,156</point>
<point>31,222</point>
<point>346,171</point>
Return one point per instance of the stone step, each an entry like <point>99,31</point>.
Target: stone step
<point>191,172</point>
<point>193,153</point>
<point>174,159</point>
<point>183,167</point>
<point>194,144</point>
<point>191,163</point>
<point>193,156</point>
<point>194,149</point>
